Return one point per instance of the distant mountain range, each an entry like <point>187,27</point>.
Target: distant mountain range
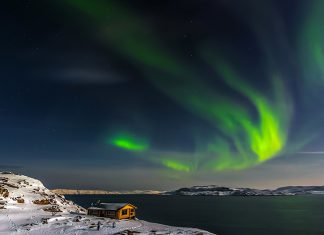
<point>102,192</point>
<point>213,190</point>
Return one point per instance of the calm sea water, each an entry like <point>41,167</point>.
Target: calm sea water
<point>227,215</point>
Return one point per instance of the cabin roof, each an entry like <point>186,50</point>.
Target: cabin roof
<point>110,206</point>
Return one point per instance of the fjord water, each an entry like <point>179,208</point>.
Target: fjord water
<point>280,215</point>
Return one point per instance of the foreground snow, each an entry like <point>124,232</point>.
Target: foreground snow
<point>27,207</point>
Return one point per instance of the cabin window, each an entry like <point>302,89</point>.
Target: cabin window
<point>124,212</point>
<point>131,210</point>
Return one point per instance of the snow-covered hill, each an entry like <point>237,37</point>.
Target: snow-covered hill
<point>27,207</point>
<point>213,190</point>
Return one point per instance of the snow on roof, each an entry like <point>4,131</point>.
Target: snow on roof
<point>110,206</point>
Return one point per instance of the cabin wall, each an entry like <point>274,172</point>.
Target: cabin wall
<point>103,213</point>
<point>111,214</point>
<point>125,212</point>
<point>93,212</point>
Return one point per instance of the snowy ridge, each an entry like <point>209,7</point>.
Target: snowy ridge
<point>213,190</point>
<point>22,192</point>
<point>27,207</point>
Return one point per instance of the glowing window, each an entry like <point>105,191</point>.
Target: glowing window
<point>124,212</point>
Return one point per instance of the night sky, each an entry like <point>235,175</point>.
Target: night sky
<point>125,94</point>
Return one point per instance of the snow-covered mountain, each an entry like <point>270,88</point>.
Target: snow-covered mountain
<point>301,190</point>
<point>27,207</point>
<point>214,190</point>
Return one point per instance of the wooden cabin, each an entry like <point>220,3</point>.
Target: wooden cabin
<point>113,210</point>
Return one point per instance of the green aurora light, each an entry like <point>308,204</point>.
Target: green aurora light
<point>128,141</point>
<point>251,134</point>
<point>176,165</point>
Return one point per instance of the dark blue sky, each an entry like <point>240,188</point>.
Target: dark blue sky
<point>66,88</point>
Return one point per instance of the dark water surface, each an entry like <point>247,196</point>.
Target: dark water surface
<point>226,215</point>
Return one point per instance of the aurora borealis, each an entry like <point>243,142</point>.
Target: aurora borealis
<point>128,141</point>
<point>208,89</point>
<point>253,140</point>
